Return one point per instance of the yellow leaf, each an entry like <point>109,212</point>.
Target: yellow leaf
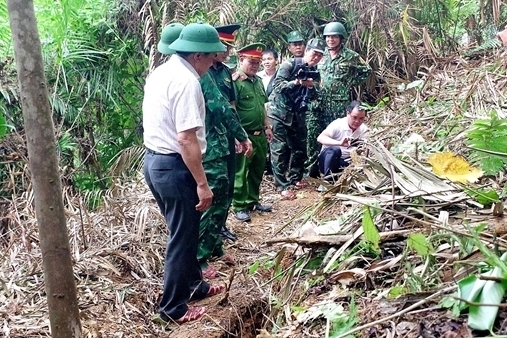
<point>454,168</point>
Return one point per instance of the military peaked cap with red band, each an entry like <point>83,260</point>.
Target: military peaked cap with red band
<point>226,33</point>
<point>253,50</point>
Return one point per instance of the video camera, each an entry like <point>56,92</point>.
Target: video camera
<point>306,73</point>
<point>356,142</point>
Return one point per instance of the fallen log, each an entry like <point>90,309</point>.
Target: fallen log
<point>333,239</point>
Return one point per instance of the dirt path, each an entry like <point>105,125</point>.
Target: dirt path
<point>244,311</point>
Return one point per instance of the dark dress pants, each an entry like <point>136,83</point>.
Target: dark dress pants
<point>175,191</point>
<point>331,161</point>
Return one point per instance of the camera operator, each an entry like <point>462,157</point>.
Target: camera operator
<point>293,89</point>
<point>338,140</point>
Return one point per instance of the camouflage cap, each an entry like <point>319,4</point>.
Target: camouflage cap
<point>294,36</point>
<point>317,45</point>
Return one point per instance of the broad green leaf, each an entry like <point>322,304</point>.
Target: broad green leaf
<point>483,196</point>
<point>469,288</point>
<point>451,303</point>
<point>371,233</point>
<point>483,317</point>
<point>420,244</point>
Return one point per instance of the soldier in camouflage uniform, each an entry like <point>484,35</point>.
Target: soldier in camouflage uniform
<point>340,70</point>
<point>288,104</point>
<point>222,76</point>
<point>296,44</point>
<point>220,117</point>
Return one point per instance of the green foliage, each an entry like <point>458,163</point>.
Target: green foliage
<point>484,196</point>
<point>371,233</point>
<point>342,322</point>
<point>420,244</point>
<point>486,136</point>
<point>473,292</point>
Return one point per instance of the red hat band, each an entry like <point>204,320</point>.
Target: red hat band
<point>226,37</point>
<point>252,53</point>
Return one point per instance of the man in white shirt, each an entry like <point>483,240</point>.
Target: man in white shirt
<point>339,139</point>
<point>174,137</point>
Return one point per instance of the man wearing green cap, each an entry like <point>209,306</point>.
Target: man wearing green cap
<point>340,69</point>
<point>293,89</point>
<point>174,137</point>
<point>251,98</point>
<point>296,44</point>
<point>222,76</point>
<point>169,34</point>
<point>222,123</point>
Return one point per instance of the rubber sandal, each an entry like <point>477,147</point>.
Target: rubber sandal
<point>210,272</point>
<point>302,184</point>
<point>228,259</point>
<point>288,195</point>
<point>215,290</point>
<point>193,313</point>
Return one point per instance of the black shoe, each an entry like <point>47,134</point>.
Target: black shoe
<point>263,208</point>
<point>227,234</point>
<point>242,215</point>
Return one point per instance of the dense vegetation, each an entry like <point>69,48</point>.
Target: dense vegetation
<point>98,52</point>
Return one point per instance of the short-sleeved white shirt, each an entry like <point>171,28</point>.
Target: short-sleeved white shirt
<point>173,102</point>
<point>265,78</point>
<point>339,129</point>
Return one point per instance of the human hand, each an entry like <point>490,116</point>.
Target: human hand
<point>205,197</point>
<point>247,147</point>
<point>237,147</point>
<point>345,142</point>
<point>307,83</point>
<point>269,135</point>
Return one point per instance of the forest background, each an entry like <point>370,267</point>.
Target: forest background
<point>98,53</point>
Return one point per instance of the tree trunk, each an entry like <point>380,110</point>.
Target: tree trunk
<point>54,241</point>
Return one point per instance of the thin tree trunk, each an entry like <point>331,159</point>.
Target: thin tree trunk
<point>54,241</point>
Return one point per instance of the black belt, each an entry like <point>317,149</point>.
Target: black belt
<point>149,151</point>
<point>255,132</point>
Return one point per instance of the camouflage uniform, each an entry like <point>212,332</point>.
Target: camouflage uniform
<point>222,76</point>
<point>338,76</point>
<point>249,170</point>
<point>220,117</point>
<point>288,148</point>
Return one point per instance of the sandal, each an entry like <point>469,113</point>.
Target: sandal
<point>193,313</point>
<point>301,184</point>
<point>228,259</point>
<point>210,272</point>
<point>288,195</point>
<point>215,290</point>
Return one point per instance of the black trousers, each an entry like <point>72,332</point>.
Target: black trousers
<point>175,191</point>
<point>331,161</point>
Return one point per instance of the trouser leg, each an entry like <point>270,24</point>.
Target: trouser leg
<point>330,161</point>
<point>280,154</point>
<point>173,185</point>
<point>210,241</point>
<point>256,166</point>
<point>297,144</point>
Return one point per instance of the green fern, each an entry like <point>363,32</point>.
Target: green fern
<point>488,141</point>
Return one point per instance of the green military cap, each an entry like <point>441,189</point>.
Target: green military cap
<point>227,33</point>
<point>294,36</point>
<point>198,38</point>
<point>253,50</point>
<point>317,45</point>
<point>231,62</point>
<point>169,34</point>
